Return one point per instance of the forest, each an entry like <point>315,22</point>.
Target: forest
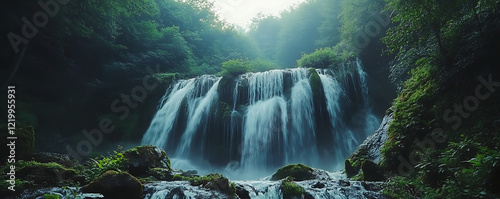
<point>166,98</point>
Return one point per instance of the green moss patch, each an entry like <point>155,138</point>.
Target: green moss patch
<point>299,172</point>
<point>291,189</point>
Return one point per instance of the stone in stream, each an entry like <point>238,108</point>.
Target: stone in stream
<point>113,184</point>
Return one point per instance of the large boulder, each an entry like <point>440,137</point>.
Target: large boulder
<point>298,172</point>
<point>218,182</point>
<point>142,158</point>
<point>114,184</point>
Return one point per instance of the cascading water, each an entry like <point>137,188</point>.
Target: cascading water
<point>257,122</point>
<point>197,95</point>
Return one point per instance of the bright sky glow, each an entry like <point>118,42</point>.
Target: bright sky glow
<point>241,12</point>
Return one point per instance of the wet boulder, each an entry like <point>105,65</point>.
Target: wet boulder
<point>298,172</point>
<point>114,184</point>
<point>142,158</point>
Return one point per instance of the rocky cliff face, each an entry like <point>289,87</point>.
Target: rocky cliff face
<point>372,146</point>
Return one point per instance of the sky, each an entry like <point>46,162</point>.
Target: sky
<point>241,12</point>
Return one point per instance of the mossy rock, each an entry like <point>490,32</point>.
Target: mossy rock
<point>213,181</point>
<point>47,174</point>
<point>299,172</point>
<point>46,157</point>
<point>224,110</point>
<point>315,82</point>
<point>177,177</point>
<point>220,183</point>
<point>350,170</point>
<point>24,144</point>
<point>142,158</point>
<point>114,184</point>
<point>161,174</point>
<point>371,171</point>
<point>291,189</point>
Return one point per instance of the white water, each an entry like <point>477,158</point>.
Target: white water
<point>302,139</point>
<point>198,109</point>
<point>271,121</point>
<point>167,114</point>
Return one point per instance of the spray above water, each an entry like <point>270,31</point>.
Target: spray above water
<point>257,122</point>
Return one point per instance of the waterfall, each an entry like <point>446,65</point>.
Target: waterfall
<point>199,109</point>
<point>258,122</point>
<point>302,139</point>
<point>194,93</point>
<point>346,140</point>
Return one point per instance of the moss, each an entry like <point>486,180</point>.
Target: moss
<point>147,180</point>
<point>411,113</point>
<point>358,177</point>
<point>224,110</point>
<point>177,177</point>
<point>161,173</point>
<point>142,158</point>
<point>212,181</point>
<point>299,172</point>
<point>291,189</point>
<point>50,196</point>
<point>315,82</point>
<point>46,174</point>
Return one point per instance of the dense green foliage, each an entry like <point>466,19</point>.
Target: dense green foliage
<point>324,57</point>
<point>439,29</point>
<point>101,164</point>
<point>446,46</point>
<point>235,67</point>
